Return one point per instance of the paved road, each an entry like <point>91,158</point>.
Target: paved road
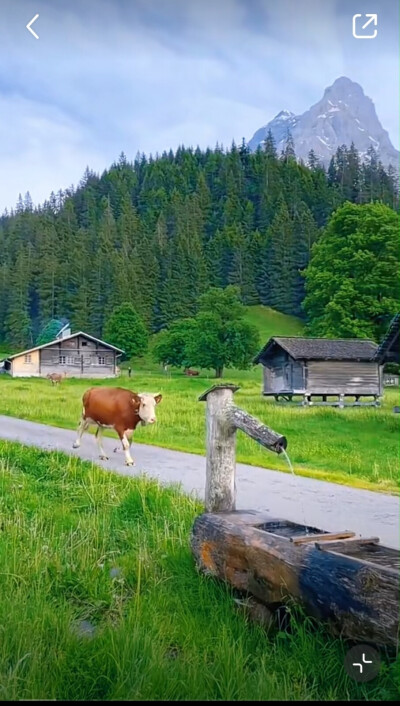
<point>321,504</point>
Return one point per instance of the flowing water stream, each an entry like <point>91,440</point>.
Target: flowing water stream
<point>298,488</point>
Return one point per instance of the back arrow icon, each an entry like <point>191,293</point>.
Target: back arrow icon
<point>29,28</point>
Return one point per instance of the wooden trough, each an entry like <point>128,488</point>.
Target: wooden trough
<point>349,581</point>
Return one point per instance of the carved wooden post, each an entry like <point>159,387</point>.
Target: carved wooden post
<point>223,419</point>
<point>221,444</point>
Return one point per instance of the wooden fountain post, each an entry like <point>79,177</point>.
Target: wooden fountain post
<point>223,419</point>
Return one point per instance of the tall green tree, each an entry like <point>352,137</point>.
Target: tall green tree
<point>352,281</point>
<point>126,330</point>
<point>222,338</point>
<point>172,345</point>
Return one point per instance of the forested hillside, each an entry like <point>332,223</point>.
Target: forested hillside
<point>158,232</point>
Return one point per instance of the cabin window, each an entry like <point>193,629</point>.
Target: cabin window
<point>101,360</point>
<point>28,358</point>
<point>84,343</point>
<point>66,360</point>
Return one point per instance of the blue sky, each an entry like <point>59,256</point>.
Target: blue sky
<point>147,75</point>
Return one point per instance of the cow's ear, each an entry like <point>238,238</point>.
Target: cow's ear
<point>158,398</point>
<point>136,401</point>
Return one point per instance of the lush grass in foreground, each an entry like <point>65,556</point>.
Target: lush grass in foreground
<point>355,446</point>
<point>78,544</point>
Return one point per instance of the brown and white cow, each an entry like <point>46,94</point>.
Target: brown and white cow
<point>119,409</point>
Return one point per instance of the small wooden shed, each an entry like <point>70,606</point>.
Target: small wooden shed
<point>321,367</point>
<point>76,355</point>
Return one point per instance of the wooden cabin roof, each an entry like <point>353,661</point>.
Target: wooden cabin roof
<point>62,340</point>
<point>320,348</point>
<point>388,350</point>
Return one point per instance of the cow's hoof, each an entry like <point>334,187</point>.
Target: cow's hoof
<point>75,446</point>
<point>103,458</point>
<point>130,463</point>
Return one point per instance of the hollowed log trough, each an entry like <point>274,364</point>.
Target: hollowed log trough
<point>348,581</point>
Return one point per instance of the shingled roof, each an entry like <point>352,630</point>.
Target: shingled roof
<point>388,350</point>
<point>321,348</point>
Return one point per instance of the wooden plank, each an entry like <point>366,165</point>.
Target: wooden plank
<point>344,544</point>
<point>306,538</point>
<point>389,570</point>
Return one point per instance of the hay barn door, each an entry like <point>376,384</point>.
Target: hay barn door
<point>288,376</point>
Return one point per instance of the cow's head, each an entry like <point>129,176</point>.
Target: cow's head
<point>147,407</point>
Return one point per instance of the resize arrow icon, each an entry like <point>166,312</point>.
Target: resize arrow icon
<point>29,28</point>
<point>358,664</point>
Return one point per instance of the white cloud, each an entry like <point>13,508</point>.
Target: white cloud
<point>41,150</point>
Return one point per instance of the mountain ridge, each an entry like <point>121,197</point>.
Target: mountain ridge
<point>343,115</point>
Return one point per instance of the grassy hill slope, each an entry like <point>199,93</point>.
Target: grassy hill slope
<point>273,323</point>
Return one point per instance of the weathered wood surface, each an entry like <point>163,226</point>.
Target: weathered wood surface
<point>256,429</point>
<point>221,449</point>
<point>326,537</point>
<point>359,599</point>
<point>223,419</point>
<point>346,544</point>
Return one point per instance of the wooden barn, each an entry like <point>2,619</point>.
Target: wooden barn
<point>320,367</point>
<point>76,355</point>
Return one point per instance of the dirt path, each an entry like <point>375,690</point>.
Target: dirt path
<point>325,505</point>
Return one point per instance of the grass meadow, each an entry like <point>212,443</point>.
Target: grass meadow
<point>355,446</point>
<point>101,600</point>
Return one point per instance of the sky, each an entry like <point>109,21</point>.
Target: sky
<point>107,76</point>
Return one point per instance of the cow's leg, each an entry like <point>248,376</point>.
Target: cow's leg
<point>99,439</point>
<point>128,435</point>
<point>83,426</point>
<point>126,440</point>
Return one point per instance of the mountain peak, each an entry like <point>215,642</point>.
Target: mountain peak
<point>284,115</point>
<point>345,88</point>
<point>344,82</point>
<point>343,115</point>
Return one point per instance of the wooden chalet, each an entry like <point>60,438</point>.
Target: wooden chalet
<point>76,355</point>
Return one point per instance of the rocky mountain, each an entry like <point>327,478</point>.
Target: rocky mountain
<point>342,116</point>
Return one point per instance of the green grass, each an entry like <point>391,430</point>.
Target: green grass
<point>272,323</point>
<point>354,446</point>
<point>78,544</point>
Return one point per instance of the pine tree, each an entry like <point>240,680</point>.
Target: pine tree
<point>18,323</point>
<point>279,266</point>
<point>305,234</point>
<point>102,280</point>
<point>126,330</point>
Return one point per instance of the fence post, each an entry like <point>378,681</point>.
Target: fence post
<point>221,445</point>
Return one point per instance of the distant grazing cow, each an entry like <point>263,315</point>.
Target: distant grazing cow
<point>119,409</point>
<point>190,372</point>
<point>56,377</point>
